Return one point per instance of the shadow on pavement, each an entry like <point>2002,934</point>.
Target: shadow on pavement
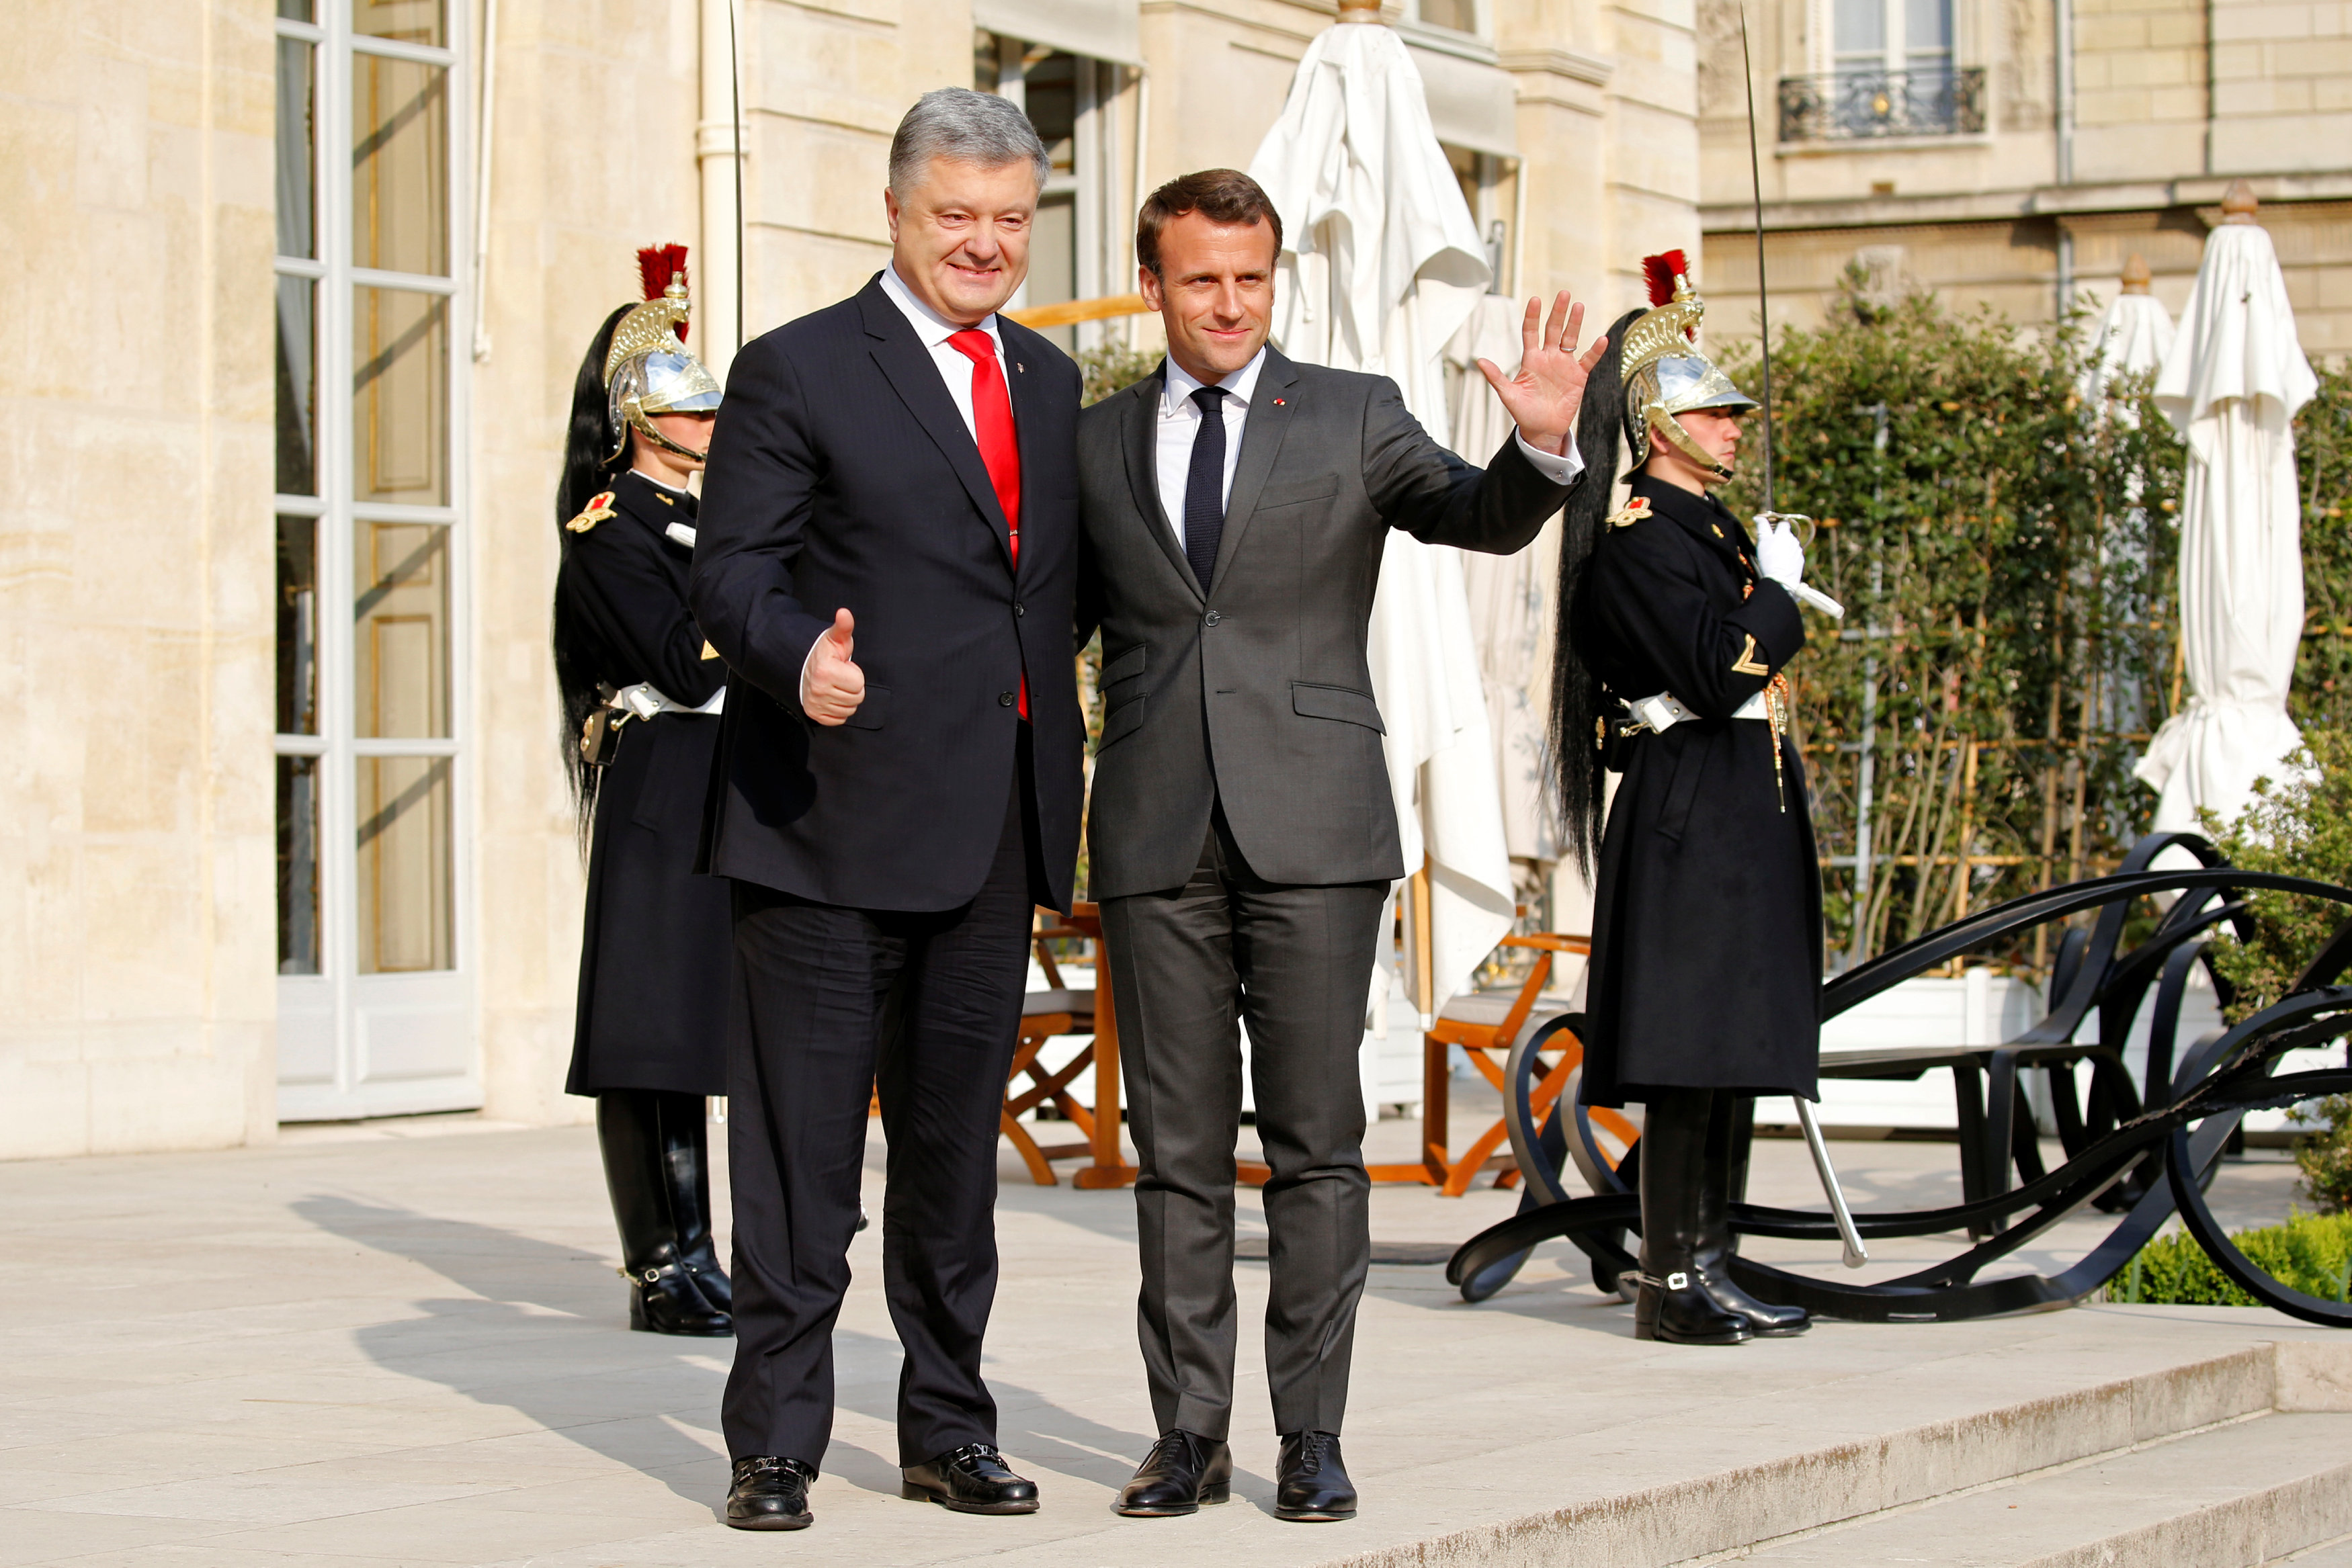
<point>543,1334</point>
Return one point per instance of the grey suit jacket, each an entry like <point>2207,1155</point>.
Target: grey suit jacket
<point>1256,694</point>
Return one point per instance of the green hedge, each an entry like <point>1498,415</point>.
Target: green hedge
<point>2312,1252</point>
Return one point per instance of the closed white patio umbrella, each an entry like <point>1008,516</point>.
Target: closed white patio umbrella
<point>2133,337</point>
<point>1382,264</point>
<point>2232,384</point>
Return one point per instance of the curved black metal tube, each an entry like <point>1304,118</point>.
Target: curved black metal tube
<point>2116,1155</point>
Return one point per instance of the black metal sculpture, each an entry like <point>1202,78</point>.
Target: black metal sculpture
<point>2143,1158</point>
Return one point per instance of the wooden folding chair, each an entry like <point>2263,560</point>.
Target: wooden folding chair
<point>1057,1011</point>
<point>1486,1027</point>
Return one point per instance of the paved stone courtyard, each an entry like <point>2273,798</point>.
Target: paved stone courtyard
<point>404,1342</point>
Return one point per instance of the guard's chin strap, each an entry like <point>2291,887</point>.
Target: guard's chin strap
<point>644,427</point>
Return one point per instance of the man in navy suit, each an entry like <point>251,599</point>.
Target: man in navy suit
<point>887,561</point>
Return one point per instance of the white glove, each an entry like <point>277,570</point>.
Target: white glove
<point>1779,556</point>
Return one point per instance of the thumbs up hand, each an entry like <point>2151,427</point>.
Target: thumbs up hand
<point>832,686</point>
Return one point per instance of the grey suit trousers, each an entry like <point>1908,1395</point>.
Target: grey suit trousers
<point>1295,963</point>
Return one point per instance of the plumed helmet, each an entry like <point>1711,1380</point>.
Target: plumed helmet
<point>1664,371</point>
<point>648,369</point>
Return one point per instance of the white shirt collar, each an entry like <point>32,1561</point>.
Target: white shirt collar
<point>661,484</point>
<point>931,326</point>
<point>1182,384</point>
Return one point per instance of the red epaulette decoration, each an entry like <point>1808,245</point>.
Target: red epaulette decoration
<point>599,506</point>
<point>1634,510</point>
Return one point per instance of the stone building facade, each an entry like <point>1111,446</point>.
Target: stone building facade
<point>299,287</point>
<point>2018,153</point>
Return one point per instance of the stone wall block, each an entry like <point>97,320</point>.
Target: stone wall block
<point>2233,22</point>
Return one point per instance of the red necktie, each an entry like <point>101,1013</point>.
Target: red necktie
<point>1000,450</point>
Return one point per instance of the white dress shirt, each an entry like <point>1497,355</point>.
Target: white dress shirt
<point>935,330</point>
<point>1180,422</point>
<point>955,370</point>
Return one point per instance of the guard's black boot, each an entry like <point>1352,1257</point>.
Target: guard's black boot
<point>685,1168</point>
<point>1674,1304</point>
<point>1725,1179</point>
<point>663,1296</point>
<point>1182,1471</point>
<point>1311,1484</point>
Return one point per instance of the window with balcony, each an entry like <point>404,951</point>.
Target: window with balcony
<point>1893,73</point>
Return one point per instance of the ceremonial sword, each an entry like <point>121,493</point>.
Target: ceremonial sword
<point>1856,1254</point>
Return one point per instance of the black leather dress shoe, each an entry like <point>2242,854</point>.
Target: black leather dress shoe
<point>970,1479</point>
<point>1182,1471</point>
<point>770,1493</point>
<point>1311,1484</point>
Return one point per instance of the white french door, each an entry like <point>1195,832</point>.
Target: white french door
<point>374,990</point>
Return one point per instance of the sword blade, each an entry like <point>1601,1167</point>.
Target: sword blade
<point>1763,299</point>
<point>1856,1254</point>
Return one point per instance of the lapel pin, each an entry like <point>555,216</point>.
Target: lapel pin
<point>1277,403</point>
<point>1021,366</point>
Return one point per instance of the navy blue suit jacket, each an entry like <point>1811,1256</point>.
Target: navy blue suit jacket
<point>841,474</point>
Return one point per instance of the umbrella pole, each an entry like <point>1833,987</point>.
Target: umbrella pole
<point>1425,961</point>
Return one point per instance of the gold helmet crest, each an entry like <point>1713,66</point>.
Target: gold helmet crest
<point>649,369</point>
<point>1665,372</point>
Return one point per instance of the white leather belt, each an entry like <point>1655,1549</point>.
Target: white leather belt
<point>1666,710</point>
<point>645,699</point>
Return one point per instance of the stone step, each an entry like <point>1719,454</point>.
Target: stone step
<point>2331,1554</point>
<point>2246,1492</point>
<point>1813,1495</point>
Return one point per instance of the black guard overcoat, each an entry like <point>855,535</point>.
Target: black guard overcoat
<point>658,941</point>
<point>1707,926</point>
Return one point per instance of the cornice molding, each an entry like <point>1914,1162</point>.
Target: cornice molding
<point>1569,63</point>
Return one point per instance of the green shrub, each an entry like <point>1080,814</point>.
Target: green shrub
<point>1111,366</point>
<point>2310,1252</point>
<point>2325,1155</point>
<point>2297,826</point>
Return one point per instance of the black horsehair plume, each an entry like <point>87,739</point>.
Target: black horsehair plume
<point>1575,698</point>
<point>588,442</point>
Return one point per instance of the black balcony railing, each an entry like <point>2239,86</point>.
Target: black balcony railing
<point>1850,105</point>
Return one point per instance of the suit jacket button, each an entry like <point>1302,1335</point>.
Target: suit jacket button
<point>1210,618</point>
<point>1004,699</point>
<point>1019,611</point>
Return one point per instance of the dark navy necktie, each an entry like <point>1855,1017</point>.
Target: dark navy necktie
<point>1204,486</point>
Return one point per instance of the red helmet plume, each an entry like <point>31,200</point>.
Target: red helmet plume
<point>658,264</point>
<point>1662,270</point>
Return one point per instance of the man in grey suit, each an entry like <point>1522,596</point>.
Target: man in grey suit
<point>1242,833</point>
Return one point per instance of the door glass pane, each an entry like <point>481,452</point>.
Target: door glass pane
<point>296,10</point>
<point>411,21</point>
<point>1053,261</point>
<point>1049,91</point>
<point>297,865</point>
<point>297,625</point>
<point>400,165</point>
<point>298,141</point>
<point>297,387</point>
<point>400,653</point>
<point>400,405</point>
<point>404,864</point>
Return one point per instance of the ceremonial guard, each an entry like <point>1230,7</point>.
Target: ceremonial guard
<point>1706,928</point>
<point>640,706</point>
